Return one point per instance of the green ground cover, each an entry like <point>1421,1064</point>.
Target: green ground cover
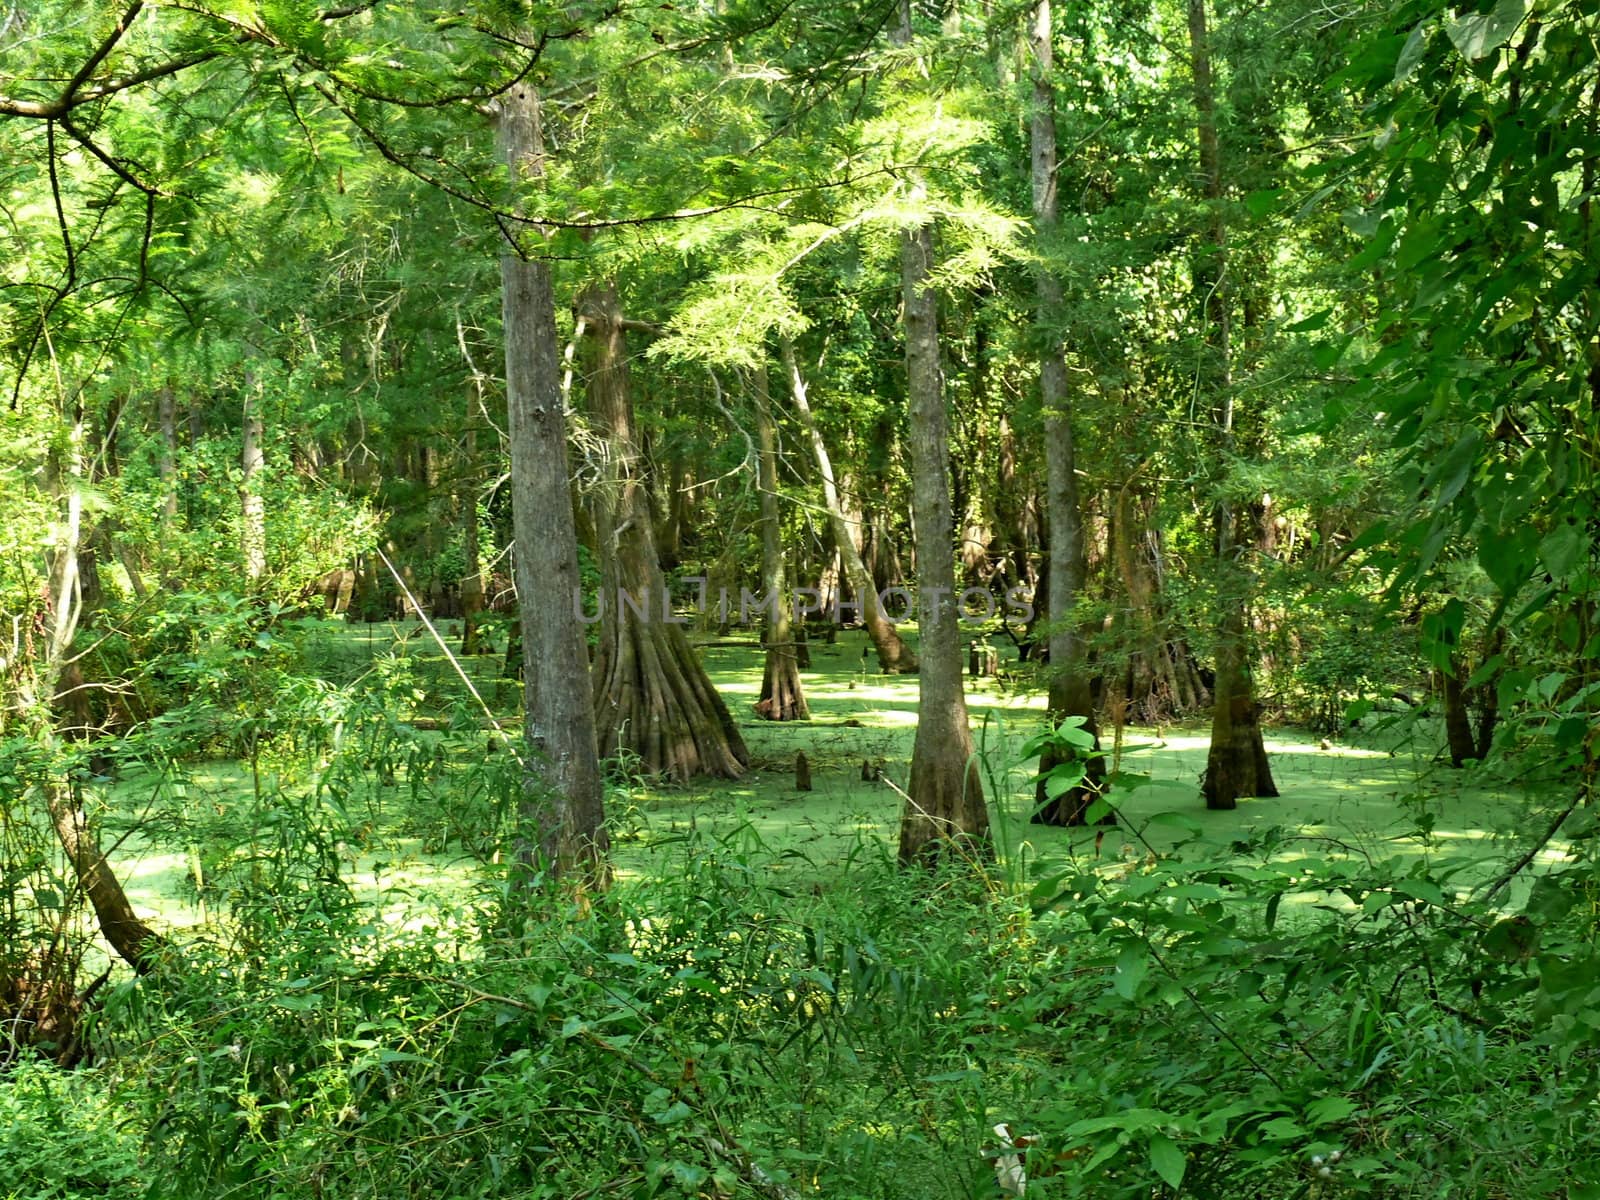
<point>1377,793</point>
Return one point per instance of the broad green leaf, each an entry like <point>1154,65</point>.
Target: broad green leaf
<point>1560,975</point>
<point>689,1176</point>
<point>1063,779</point>
<point>1420,889</point>
<point>1507,560</point>
<point>1363,222</point>
<point>1487,670</point>
<point>1261,203</point>
<point>1310,324</point>
<point>1176,820</point>
<point>1315,199</point>
<point>1551,899</point>
<point>1133,964</point>
<point>1046,889</point>
<point>1035,745</point>
<point>1168,1161</point>
<point>1328,1110</point>
<point>383,1056</point>
<point>1571,733</point>
<point>1074,736</point>
<point>1129,1120</point>
<point>1478,34</point>
<point>674,1114</point>
<point>1515,315</point>
<point>1411,53</point>
<point>1563,549</point>
<point>1452,473</point>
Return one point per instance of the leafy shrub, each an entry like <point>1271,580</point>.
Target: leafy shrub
<point>1237,1027</point>
<point>61,1138</point>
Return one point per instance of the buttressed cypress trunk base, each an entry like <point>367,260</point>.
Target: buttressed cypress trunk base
<point>782,696</point>
<point>652,697</point>
<point>1236,764</point>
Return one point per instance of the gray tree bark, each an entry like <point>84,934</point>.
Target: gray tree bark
<point>1070,693</point>
<point>253,527</point>
<point>53,685</point>
<point>562,812</point>
<point>945,814</point>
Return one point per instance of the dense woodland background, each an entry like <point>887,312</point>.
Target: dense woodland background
<point>357,358</point>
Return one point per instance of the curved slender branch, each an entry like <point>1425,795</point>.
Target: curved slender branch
<point>88,143</point>
<point>98,55</point>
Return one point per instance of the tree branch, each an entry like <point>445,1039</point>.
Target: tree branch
<point>81,75</point>
<point>117,168</point>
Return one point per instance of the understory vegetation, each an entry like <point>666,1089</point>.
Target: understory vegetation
<point>364,1006</point>
<point>716,1033</point>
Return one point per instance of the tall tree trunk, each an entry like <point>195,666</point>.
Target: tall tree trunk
<point>652,695</point>
<point>894,656</point>
<point>1489,698</point>
<point>671,507</point>
<point>782,697</point>
<point>472,600</point>
<point>1463,742</point>
<point>944,812</point>
<point>562,818</point>
<point>1457,717</point>
<point>1236,764</point>
<point>134,941</point>
<point>1070,693</point>
<point>253,526</point>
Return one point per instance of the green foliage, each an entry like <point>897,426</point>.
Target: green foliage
<point>61,1138</point>
<point>682,1037</point>
<point>1358,654</point>
<point>1233,1025</point>
<point>1070,748</point>
<point>295,212</point>
<point>1382,1034</point>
